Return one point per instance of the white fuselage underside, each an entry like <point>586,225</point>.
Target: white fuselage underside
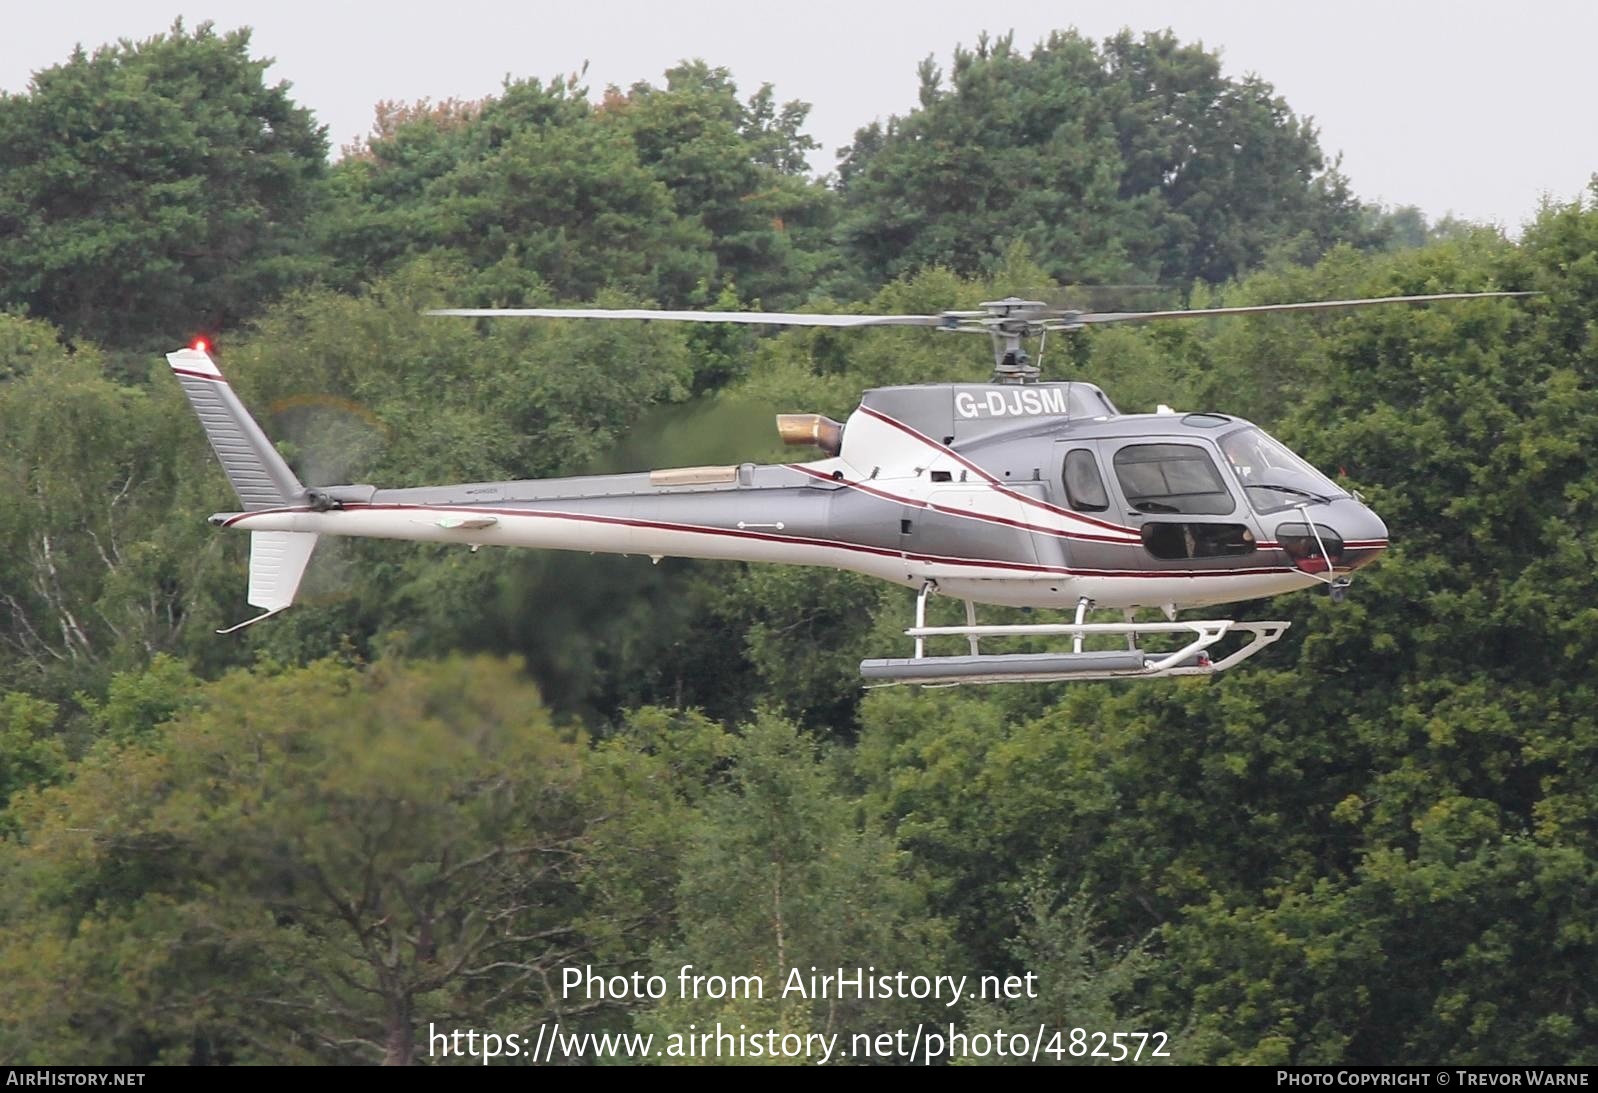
<point>979,580</point>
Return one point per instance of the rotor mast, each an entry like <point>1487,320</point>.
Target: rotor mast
<point>1007,322</point>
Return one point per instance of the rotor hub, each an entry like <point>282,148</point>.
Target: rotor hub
<point>1007,322</point>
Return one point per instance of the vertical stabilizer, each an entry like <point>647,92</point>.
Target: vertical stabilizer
<point>258,473</point>
<point>277,564</point>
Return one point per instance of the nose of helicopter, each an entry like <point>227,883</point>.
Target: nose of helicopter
<point>1364,533</point>
<point>1344,530</point>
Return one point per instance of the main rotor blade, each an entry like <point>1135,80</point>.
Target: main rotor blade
<point>772,318</point>
<point>1313,305</point>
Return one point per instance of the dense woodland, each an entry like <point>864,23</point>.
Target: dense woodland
<point>445,775</point>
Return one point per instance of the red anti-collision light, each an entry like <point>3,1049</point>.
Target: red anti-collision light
<point>198,345</point>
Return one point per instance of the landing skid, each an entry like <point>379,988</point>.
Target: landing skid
<point>1192,659</point>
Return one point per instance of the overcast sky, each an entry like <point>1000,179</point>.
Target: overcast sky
<point>1468,107</point>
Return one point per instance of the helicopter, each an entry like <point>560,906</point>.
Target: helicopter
<point>1017,492</point>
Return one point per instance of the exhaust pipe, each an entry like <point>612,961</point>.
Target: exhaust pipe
<point>814,429</point>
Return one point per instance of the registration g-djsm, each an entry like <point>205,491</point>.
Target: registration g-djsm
<point>1014,492</point>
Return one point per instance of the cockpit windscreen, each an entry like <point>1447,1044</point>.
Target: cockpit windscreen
<point>1272,476</point>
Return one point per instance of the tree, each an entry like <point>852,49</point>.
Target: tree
<point>154,188</point>
<point>738,168</point>
<point>313,866</point>
<point>527,189</point>
<point>30,752</point>
<point>777,877</point>
<point>1069,983</point>
<point>673,193</point>
<point>1132,161</point>
<point>102,561</point>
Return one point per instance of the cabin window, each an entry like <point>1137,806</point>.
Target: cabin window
<point>1084,486</point>
<point>1172,541</point>
<point>1175,478</point>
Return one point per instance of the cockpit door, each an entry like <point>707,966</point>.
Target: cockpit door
<point>1189,513</point>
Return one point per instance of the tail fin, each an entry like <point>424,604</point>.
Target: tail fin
<point>259,475</point>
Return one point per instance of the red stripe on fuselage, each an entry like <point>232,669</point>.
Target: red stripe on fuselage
<point>989,478</point>
<point>832,544</point>
<point>985,517</point>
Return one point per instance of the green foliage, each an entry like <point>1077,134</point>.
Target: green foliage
<point>672,194</point>
<point>738,169</point>
<point>1134,160</point>
<point>30,753</point>
<point>450,400</point>
<point>100,563</point>
<point>529,189</point>
<point>25,344</point>
<point>805,635</point>
<point>308,867</point>
<point>136,703</point>
<point>1067,983</point>
<point>779,876</point>
<point>154,188</point>
<point>1431,952</point>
